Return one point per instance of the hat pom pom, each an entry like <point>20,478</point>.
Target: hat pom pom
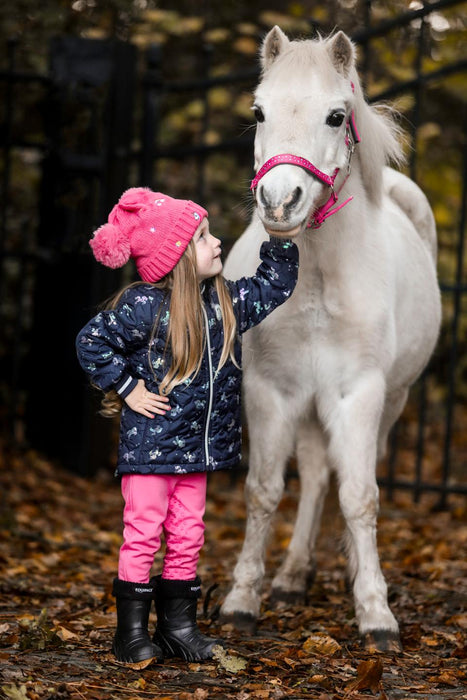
<point>110,246</point>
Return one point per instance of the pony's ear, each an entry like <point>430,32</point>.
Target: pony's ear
<point>342,53</point>
<point>273,44</point>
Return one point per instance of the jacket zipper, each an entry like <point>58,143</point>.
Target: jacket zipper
<point>208,417</point>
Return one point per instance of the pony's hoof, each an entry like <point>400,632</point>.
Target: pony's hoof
<point>243,622</point>
<point>279,595</point>
<point>382,640</point>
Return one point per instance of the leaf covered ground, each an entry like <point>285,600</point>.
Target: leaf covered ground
<point>59,540</point>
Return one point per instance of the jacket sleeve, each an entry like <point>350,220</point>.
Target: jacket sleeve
<point>103,345</point>
<point>253,298</point>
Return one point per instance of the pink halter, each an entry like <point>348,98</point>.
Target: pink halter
<point>352,137</point>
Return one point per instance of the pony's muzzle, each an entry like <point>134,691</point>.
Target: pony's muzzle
<point>282,210</point>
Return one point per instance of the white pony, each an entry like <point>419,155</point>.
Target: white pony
<point>327,374</point>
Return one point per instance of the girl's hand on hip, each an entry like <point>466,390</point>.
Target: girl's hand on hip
<point>143,401</point>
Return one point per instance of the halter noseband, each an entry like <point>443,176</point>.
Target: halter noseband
<point>352,137</point>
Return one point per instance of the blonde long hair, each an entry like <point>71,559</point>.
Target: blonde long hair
<point>186,334</point>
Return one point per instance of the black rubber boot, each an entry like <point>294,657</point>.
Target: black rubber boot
<point>132,644</point>
<point>177,632</point>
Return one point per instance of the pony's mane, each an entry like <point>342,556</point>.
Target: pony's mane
<point>381,136</point>
<point>382,139</point>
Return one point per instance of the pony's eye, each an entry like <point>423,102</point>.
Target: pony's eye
<point>335,119</point>
<point>258,112</point>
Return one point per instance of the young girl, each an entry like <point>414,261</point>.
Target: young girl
<point>168,353</point>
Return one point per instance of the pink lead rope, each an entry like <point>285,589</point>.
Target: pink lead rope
<point>352,137</point>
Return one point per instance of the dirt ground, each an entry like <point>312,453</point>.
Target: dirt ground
<point>59,540</point>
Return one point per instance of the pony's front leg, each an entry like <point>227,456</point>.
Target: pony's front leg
<point>354,425</point>
<point>297,572</point>
<point>271,443</point>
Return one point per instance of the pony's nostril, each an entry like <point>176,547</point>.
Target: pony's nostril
<point>262,197</point>
<point>297,193</point>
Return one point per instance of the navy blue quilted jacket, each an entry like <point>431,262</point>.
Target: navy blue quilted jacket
<point>202,430</point>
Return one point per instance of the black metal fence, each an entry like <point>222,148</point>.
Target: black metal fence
<point>96,124</point>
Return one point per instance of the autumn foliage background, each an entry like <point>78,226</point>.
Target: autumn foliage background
<point>60,534</point>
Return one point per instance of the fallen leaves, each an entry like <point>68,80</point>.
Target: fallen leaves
<point>37,633</point>
<point>59,541</point>
<point>369,675</point>
<point>321,644</point>
<point>446,678</point>
<point>16,692</point>
<point>230,663</point>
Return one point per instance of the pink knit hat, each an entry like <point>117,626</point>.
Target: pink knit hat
<point>150,227</point>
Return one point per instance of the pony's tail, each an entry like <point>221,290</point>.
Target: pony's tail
<point>111,405</point>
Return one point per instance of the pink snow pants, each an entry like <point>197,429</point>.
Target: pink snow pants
<point>172,503</point>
